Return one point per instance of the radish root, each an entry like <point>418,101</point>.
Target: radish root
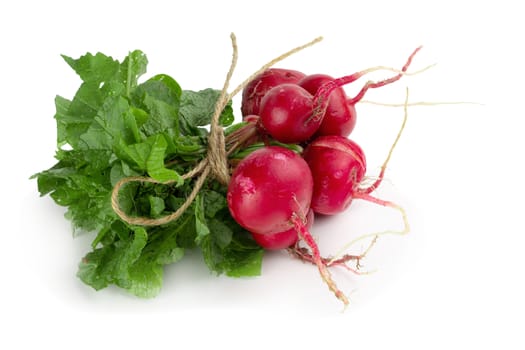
<point>304,254</point>
<point>364,193</point>
<point>321,97</point>
<point>381,175</point>
<point>373,85</point>
<point>421,103</point>
<point>307,238</point>
<point>375,235</point>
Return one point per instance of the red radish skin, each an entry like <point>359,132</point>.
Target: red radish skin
<point>270,192</point>
<point>267,188</point>
<point>340,115</point>
<point>276,241</point>
<point>338,165</point>
<point>286,114</point>
<point>253,93</point>
<point>282,240</point>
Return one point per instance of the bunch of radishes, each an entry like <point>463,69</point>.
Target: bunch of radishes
<point>274,192</point>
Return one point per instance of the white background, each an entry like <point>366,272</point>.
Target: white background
<point>454,282</point>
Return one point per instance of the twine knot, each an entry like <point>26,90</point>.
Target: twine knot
<point>217,155</point>
<point>219,147</point>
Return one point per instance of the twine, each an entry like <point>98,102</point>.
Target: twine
<point>219,147</point>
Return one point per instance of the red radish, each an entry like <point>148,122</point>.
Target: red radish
<point>282,240</point>
<point>338,165</point>
<point>270,192</point>
<point>257,88</point>
<point>343,156</point>
<point>340,115</point>
<point>286,114</point>
<point>267,188</point>
<point>290,114</point>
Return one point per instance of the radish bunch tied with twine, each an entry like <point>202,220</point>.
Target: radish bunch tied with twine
<point>231,190</point>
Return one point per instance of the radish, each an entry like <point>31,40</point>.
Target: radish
<point>269,193</point>
<point>286,114</point>
<point>267,188</point>
<point>340,115</point>
<point>259,86</point>
<point>291,114</point>
<point>281,240</point>
<point>338,165</point>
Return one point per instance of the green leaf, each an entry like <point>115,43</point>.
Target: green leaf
<point>155,162</point>
<point>243,257</point>
<point>145,279</point>
<point>127,194</point>
<point>163,249</point>
<point>133,66</point>
<point>74,118</point>
<point>98,68</point>
<point>149,156</point>
<point>117,121</point>
<point>249,265</point>
<point>136,154</point>
<point>187,147</point>
<point>141,116</point>
<point>162,117</point>
<point>221,232</point>
<point>200,220</point>
<point>227,118</point>
<point>112,263</point>
<point>62,106</point>
<point>197,107</point>
<point>228,248</point>
<point>159,98</point>
<point>169,255</point>
<point>213,201</point>
<point>115,127</point>
<point>120,170</point>
<point>80,181</point>
<point>174,89</point>
<point>146,275</point>
<point>156,206</point>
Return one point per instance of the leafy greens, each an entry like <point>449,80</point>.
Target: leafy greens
<point>115,127</point>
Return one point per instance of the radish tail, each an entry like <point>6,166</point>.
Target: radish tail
<point>375,235</point>
<point>306,236</point>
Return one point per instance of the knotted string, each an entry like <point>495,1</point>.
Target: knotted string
<point>219,147</point>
